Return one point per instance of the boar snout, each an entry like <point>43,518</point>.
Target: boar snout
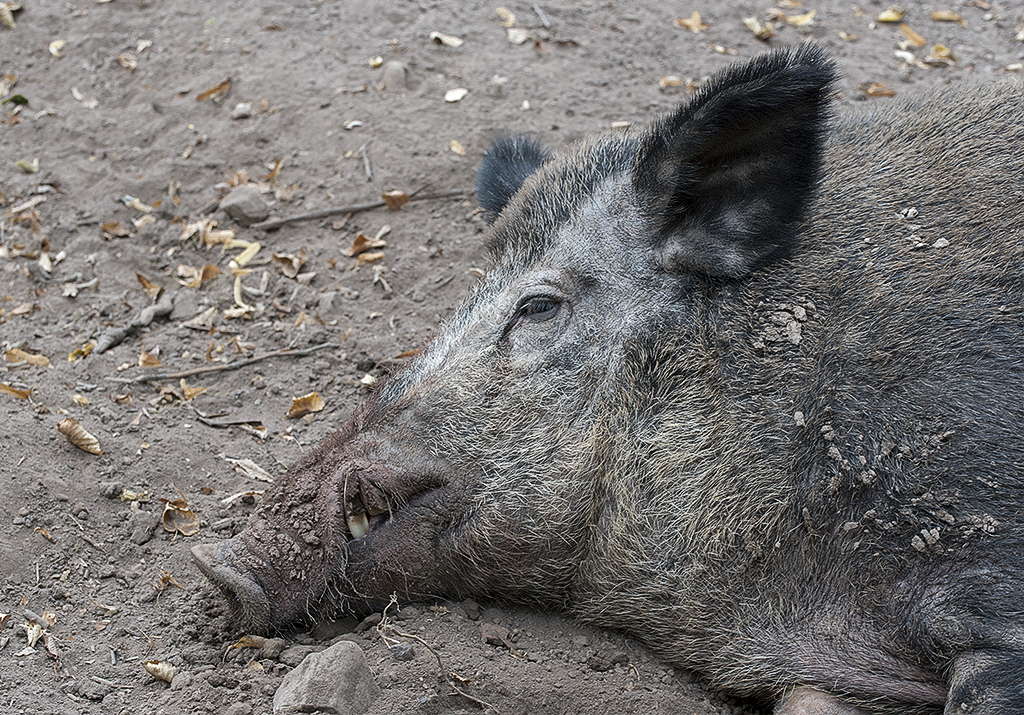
<point>219,563</point>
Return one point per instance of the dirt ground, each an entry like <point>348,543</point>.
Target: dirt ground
<point>117,112</point>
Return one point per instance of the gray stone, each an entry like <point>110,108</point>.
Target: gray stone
<point>297,653</point>
<point>238,709</point>
<point>242,110</point>
<point>274,647</point>
<point>336,680</point>
<point>245,204</point>
<point>395,76</point>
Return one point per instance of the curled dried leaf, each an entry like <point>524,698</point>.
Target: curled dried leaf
<point>290,263</point>
<point>82,352</point>
<point>33,632</point>
<point>249,468</point>
<point>305,404</point>
<point>190,392</point>
<point>447,40</point>
<point>178,517</point>
<point>77,435</point>
<point>456,146</point>
<point>160,669</point>
<point>364,243</point>
<point>893,13</point>
<point>877,89</point>
<point>371,257</point>
<point>150,359</point>
<point>949,16</point>
<point>764,31</point>
<point>151,288</point>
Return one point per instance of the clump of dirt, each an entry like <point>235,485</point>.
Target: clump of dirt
<point>124,126</point>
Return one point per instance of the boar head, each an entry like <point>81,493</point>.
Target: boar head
<point>486,466</point>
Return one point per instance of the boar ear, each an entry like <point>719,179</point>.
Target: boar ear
<point>727,178</point>
<point>505,166</point>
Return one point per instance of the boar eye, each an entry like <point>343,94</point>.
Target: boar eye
<point>537,308</point>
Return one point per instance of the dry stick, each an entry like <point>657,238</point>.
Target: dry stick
<point>218,368</point>
<point>113,336</point>
<point>351,208</point>
<point>482,703</point>
<point>541,15</point>
<point>366,160</point>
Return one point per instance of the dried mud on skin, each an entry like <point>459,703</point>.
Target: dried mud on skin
<point>128,116</point>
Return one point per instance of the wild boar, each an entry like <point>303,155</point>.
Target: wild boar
<point>748,384</point>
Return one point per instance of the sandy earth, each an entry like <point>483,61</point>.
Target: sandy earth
<point>116,115</point>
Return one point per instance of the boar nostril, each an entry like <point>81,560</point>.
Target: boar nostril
<point>219,564</point>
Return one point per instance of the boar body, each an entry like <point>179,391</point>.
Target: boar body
<point>747,385</point>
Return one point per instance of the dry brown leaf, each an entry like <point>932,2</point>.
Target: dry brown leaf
<point>80,400</point>
<point>160,669</point>
<point>7,10</point>
<point>363,243</point>
<point>215,93</point>
<point>396,199</point>
<point>893,13</point>
<point>50,644</point>
<point>249,468</point>
<point>940,56</point>
<point>915,39</point>
<point>949,16</point>
<point>77,436</point>
<point>275,169</point>
<point>190,392</point>
<point>167,579</point>
<point>202,321</point>
<point>150,359</point>
<point>305,404</point>
<point>692,23</point>
<point>125,399</point>
<point>151,288</point>
<point>178,517</point>
<point>114,229</point>
<point>17,355</point>
<point>456,146</point>
<point>670,80</point>
<point>45,534</point>
<point>208,272</point>
<point>408,353</point>
<point>290,263</point>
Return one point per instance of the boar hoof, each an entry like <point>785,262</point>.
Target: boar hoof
<point>246,596</point>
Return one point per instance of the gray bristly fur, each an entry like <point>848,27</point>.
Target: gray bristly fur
<point>747,385</point>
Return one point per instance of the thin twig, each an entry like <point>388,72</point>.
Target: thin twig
<point>385,625</point>
<point>218,368</point>
<point>351,208</point>
<point>366,160</point>
<point>541,15</point>
<point>114,336</point>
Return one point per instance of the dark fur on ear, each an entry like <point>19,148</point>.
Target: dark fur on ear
<point>506,165</point>
<point>730,174</point>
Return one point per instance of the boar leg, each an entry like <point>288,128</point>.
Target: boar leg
<point>987,682</point>
<point>808,701</point>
